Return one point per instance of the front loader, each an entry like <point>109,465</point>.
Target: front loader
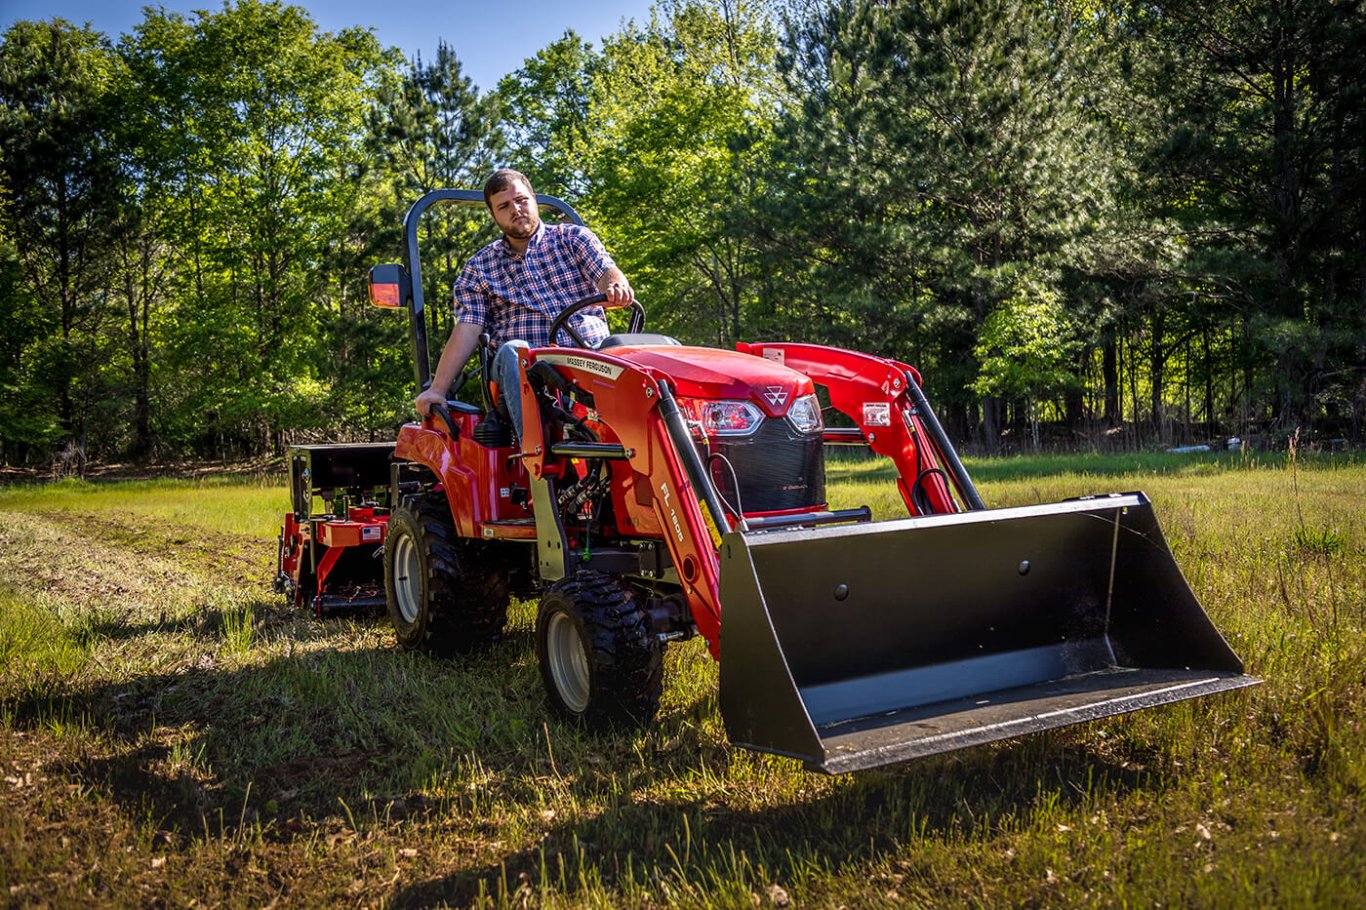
<point>662,491</point>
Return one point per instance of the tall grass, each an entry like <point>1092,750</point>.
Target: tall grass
<point>229,505</point>
<point>173,733</point>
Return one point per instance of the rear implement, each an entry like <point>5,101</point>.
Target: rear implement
<point>329,541</point>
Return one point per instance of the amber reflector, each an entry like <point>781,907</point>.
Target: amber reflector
<point>385,295</point>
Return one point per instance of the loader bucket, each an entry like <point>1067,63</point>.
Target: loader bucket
<point>858,646</point>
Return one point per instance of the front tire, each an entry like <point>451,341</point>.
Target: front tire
<point>598,660</point>
<point>445,593</point>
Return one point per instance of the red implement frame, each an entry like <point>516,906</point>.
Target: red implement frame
<point>332,537</point>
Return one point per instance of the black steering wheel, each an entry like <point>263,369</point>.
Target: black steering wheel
<point>562,321</point>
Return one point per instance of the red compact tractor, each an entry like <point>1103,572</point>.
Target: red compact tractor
<point>663,491</point>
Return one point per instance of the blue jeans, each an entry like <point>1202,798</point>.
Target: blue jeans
<point>507,375</point>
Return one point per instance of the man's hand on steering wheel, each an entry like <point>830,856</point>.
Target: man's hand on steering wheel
<point>619,293</point>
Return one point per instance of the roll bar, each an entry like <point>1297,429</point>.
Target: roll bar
<point>412,262</point>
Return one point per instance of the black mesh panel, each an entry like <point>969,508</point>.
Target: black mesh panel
<point>778,468</point>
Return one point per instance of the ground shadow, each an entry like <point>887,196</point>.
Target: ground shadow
<point>340,736</point>
<point>317,735</point>
<point>873,817</point>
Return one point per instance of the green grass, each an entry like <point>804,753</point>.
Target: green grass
<point>171,733</point>
<point>229,505</point>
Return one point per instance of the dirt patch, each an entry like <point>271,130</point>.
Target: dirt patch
<point>173,470</point>
<point>125,563</point>
<point>238,559</point>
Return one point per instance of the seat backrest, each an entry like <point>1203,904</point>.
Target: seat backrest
<point>635,339</point>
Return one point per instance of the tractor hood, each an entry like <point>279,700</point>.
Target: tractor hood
<point>712,373</point>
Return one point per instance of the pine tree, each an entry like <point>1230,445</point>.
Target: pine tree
<point>942,151</point>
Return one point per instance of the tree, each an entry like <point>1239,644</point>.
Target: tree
<point>545,107</point>
<point>429,128</point>
<point>432,128</point>
<point>60,189</point>
<point>1027,348</point>
<point>677,129</point>
<point>28,417</point>
<point>938,148</point>
<point>269,116</point>
<point>1262,167</point>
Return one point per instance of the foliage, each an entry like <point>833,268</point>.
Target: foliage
<point>937,149</point>
<point>429,128</point>
<point>1259,160</point>
<point>1026,345</point>
<point>677,133</point>
<point>1027,348</point>
<point>1128,224</point>
<point>60,185</point>
<point>545,107</point>
<point>252,196</point>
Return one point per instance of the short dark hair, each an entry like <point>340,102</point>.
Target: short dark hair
<point>502,179</point>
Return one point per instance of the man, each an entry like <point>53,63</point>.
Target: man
<point>515,287</point>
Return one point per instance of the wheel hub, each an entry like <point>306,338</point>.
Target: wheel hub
<point>568,662</point>
<point>407,578</point>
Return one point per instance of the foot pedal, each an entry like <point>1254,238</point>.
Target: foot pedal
<point>493,433</point>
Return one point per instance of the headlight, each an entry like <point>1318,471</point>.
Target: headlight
<point>723,418</point>
<point>805,415</point>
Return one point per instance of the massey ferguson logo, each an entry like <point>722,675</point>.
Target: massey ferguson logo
<point>776,395</point>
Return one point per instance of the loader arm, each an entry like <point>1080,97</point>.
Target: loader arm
<point>631,412</point>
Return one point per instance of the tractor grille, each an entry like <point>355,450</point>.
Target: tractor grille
<point>778,468</point>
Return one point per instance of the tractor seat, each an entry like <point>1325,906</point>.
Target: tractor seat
<point>635,339</point>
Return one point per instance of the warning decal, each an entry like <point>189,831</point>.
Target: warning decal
<point>877,414</point>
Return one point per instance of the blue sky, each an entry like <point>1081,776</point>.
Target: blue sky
<point>490,37</point>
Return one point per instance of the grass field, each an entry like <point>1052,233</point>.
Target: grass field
<point>172,735</point>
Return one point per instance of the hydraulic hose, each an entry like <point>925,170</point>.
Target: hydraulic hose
<point>941,442</point>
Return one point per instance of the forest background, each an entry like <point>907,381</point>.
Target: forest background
<point>1097,225</point>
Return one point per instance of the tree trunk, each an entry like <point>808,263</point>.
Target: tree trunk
<point>1110,377</point>
<point>1074,410</point>
<point>1157,360</point>
<point>1292,372</point>
<point>137,289</point>
<point>991,423</point>
<point>1209,380</point>
<point>1133,396</point>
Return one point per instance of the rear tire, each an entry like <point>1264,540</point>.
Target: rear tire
<point>445,593</point>
<point>598,660</point>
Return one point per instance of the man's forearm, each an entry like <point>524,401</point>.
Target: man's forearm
<point>456,353</point>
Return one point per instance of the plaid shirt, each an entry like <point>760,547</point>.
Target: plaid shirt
<point>514,296</point>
